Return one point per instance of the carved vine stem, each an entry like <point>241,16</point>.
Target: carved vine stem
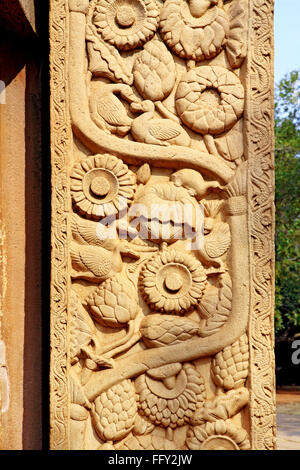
<point>193,349</point>
<point>133,336</point>
<point>131,152</point>
<point>165,112</point>
<point>210,144</point>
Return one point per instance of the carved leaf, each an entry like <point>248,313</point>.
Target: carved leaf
<point>218,313</point>
<point>212,208</point>
<point>154,71</point>
<point>231,146</point>
<point>236,46</point>
<point>143,174</point>
<point>208,306</point>
<point>81,328</point>
<point>76,392</point>
<point>218,241</point>
<point>238,184</point>
<point>105,60</point>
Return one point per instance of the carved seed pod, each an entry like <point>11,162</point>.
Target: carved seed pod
<point>114,303</point>
<point>154,71</point>
<point>169,396</point>
<point>230,367</point>
<point>114,411</point>
<point>164,330</point>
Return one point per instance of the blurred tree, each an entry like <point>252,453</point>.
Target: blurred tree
<point>287,198</point>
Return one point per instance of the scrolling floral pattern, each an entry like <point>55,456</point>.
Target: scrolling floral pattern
<point>137,329</point>
<point>261,195</point>
<point>59,291</point>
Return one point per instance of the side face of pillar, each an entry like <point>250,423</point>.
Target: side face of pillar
<point>20,230</point>
<point>162,225</point>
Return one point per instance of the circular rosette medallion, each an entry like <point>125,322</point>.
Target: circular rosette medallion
<point>193,29</point>
<point>102,186</point>
<point>172,282</point>
<point>126,24</point>
<point>169,395</point>
<point>220,435</point>
<point>210,99</point>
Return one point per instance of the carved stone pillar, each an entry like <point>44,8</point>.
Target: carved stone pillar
<point>162,224</point>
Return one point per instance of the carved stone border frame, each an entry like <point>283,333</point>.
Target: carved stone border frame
<point>60,146</point>
<point>260,149</point>
<point>260,144</point>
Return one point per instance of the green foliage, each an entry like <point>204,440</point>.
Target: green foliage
<point>287,166</point>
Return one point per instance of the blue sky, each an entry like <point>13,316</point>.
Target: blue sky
<point>287,37</point>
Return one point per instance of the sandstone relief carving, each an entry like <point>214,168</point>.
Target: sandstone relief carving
<point>158,267</point>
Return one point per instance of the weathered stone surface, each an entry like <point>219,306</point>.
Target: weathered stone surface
<point>20,238</point>
<point>162,121</point>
